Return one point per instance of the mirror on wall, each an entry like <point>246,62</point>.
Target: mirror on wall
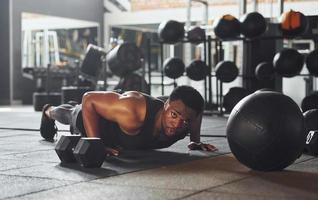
<point>55,40</point>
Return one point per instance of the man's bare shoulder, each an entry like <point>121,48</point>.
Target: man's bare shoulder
<point>136,101</point>
<point>128,94</point>
<point>133,98</point>
<point>126,99</point>
<point>133,94</point>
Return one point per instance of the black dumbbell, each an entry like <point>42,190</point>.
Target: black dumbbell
<point>88,152</point>
<point>65,147</point>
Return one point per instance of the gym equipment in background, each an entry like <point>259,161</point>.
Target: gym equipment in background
<point>173,67</point>
<point>311,132</point>
<point>253,24</point>
<point>232,97</point>
<point>264,71</point>
<point>47,97</point>
<point>42,98</point>
<point>124,59</point>
<point>196,35</point>
<point>288,62</point>
<point>171,31</point>
<point>310,102</point>
<point>92,63</point>
<point>293,23</point>
<point>90,70</point>
<point>265,131</point>
<point>163,98</point>
<point>311,120</point>
<point>74,93</point>
<point>311,146</point>
<point>312,62</point>
<point>134,82</point>
<point>197,70</point>
<point>227,27</point>
<point>265,90</point>
<point>226,71</point>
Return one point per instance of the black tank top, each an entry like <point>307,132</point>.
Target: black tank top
<point>113,136</point>
<point>145,135</point>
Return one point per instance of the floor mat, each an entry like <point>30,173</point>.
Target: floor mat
<point>28,147</point>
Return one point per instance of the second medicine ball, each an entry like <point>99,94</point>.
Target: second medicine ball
<point>232,97</point>
<point>288,62</point>
<point>265,90</point>
<point>227,27</point>
<point>310,102</point>
<point>312,62</point>
<point>171,31</point>
<point>265,131</point>
<point>311,120</point>
<point>197,70</point>
<point>173,67</point>
<point>264,71</point>
<point>253,24</point>
<point>226,71</point>
<point>196,35</point>
<point>293,23</point>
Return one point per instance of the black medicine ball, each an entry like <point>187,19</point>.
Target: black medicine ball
<point>197,70</point>
<point>232,97</point>
<point>253,24</point>
<point>311,120</point>
<point>311,127</point>
<point>288,62</point>
<point>227,27</point>
<point>265,131</point>
<point>312,62</point>
<point>265,90</point>
<point>171,31</point>
<point>264,71</point>
<point>310,102</point>
<point>226,71</point>
<point>173,67</point>
<point>196,35</point>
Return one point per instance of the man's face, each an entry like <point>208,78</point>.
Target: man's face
<point>176,117</point>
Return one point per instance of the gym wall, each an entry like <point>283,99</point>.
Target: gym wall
<point>21,87</point>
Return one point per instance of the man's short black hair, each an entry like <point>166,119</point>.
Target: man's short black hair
<point>189,96</point>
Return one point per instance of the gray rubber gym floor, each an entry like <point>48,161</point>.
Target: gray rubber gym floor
<point>30,169</point>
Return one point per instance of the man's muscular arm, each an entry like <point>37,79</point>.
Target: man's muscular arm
<point>126,110</point>
<point>195,129</point>
<point>92,105</point>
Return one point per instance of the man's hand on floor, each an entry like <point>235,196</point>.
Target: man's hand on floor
<point>201,146</point>
<point>112,151</point>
